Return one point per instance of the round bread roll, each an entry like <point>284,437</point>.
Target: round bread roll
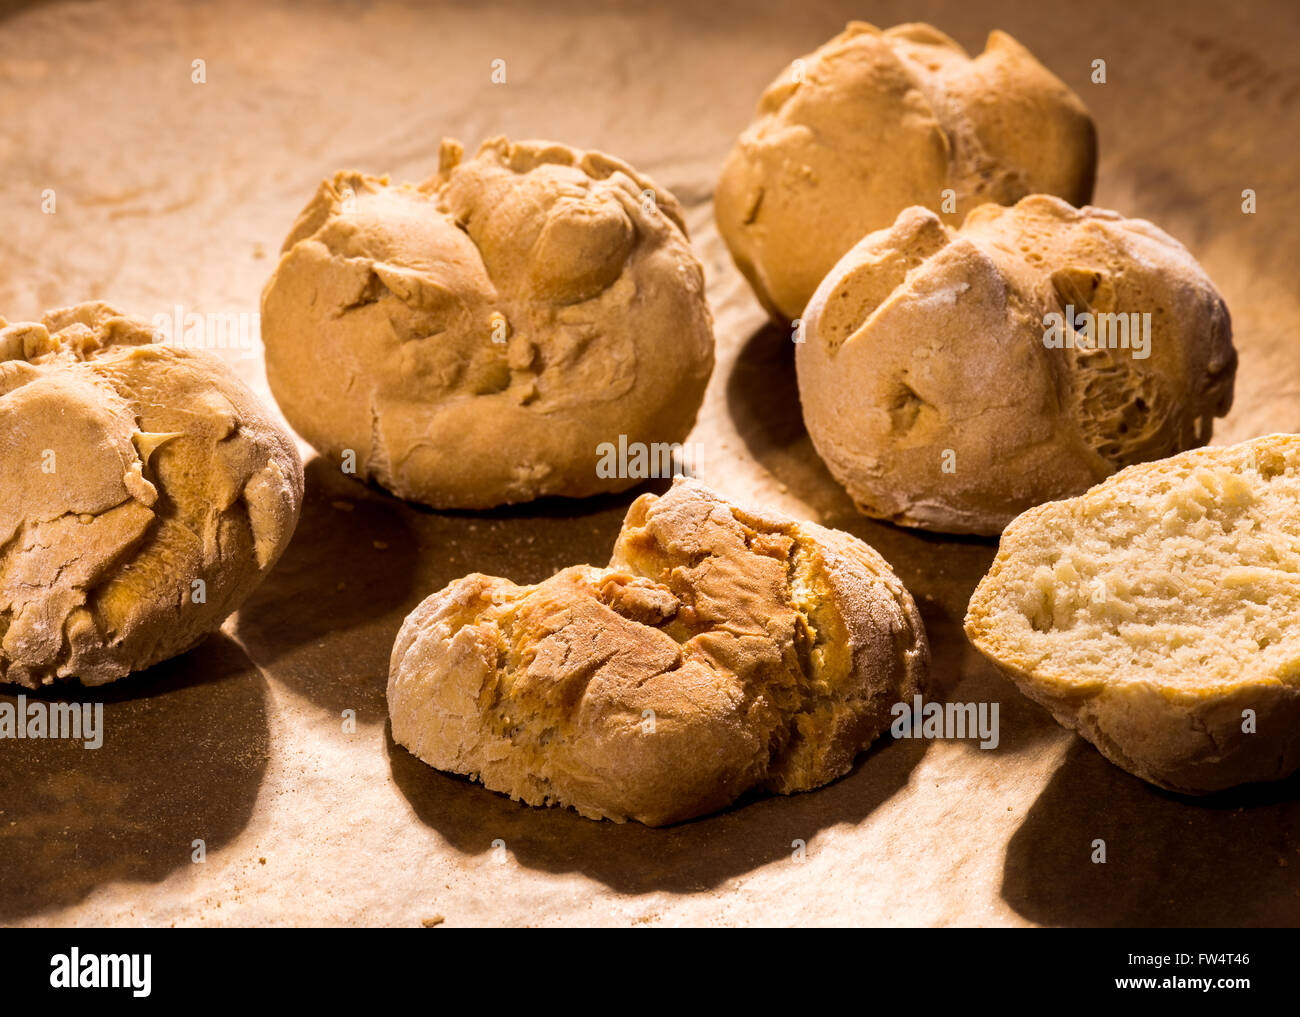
<point>874,122</point>
<point>722,650</point>
<point>950,379</point>
<point>1156,615</point>
<point>471,341</point>
<point>146,494</point>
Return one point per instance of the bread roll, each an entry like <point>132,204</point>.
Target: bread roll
<point>722,650</point>
<point>146,494</point>
<point>874,122</point>
<point>945,381</point>
<point>471,342</point>
<point>1156,614</point>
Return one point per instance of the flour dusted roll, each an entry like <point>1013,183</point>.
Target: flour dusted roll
<point>952,378</point>
<point>874,122</point>
<point>722,650</point>
<point>146,494</point>
<point>472,341</point>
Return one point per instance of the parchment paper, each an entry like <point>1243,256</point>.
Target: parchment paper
<point>175,193</point>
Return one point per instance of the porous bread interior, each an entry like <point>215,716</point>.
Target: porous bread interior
<point>1184,573</point>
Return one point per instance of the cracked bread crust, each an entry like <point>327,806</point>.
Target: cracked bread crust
<point>874,122</point>
<point>132,470</point>
<point>927,388</point>
<point>1149,613</point>
<point>721,651</point>
<point>474,339</point>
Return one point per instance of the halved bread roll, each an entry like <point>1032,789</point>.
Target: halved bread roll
<point>1156,614</point>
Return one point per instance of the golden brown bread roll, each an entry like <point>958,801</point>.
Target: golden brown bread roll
<point>722,650</point>
<point>874,122</point>
<point>146,494</point>
<point>471,342</point>
<point>1156,614</point>
<point>944,388</point>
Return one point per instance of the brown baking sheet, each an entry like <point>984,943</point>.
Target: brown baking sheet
<point>175,193</point>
